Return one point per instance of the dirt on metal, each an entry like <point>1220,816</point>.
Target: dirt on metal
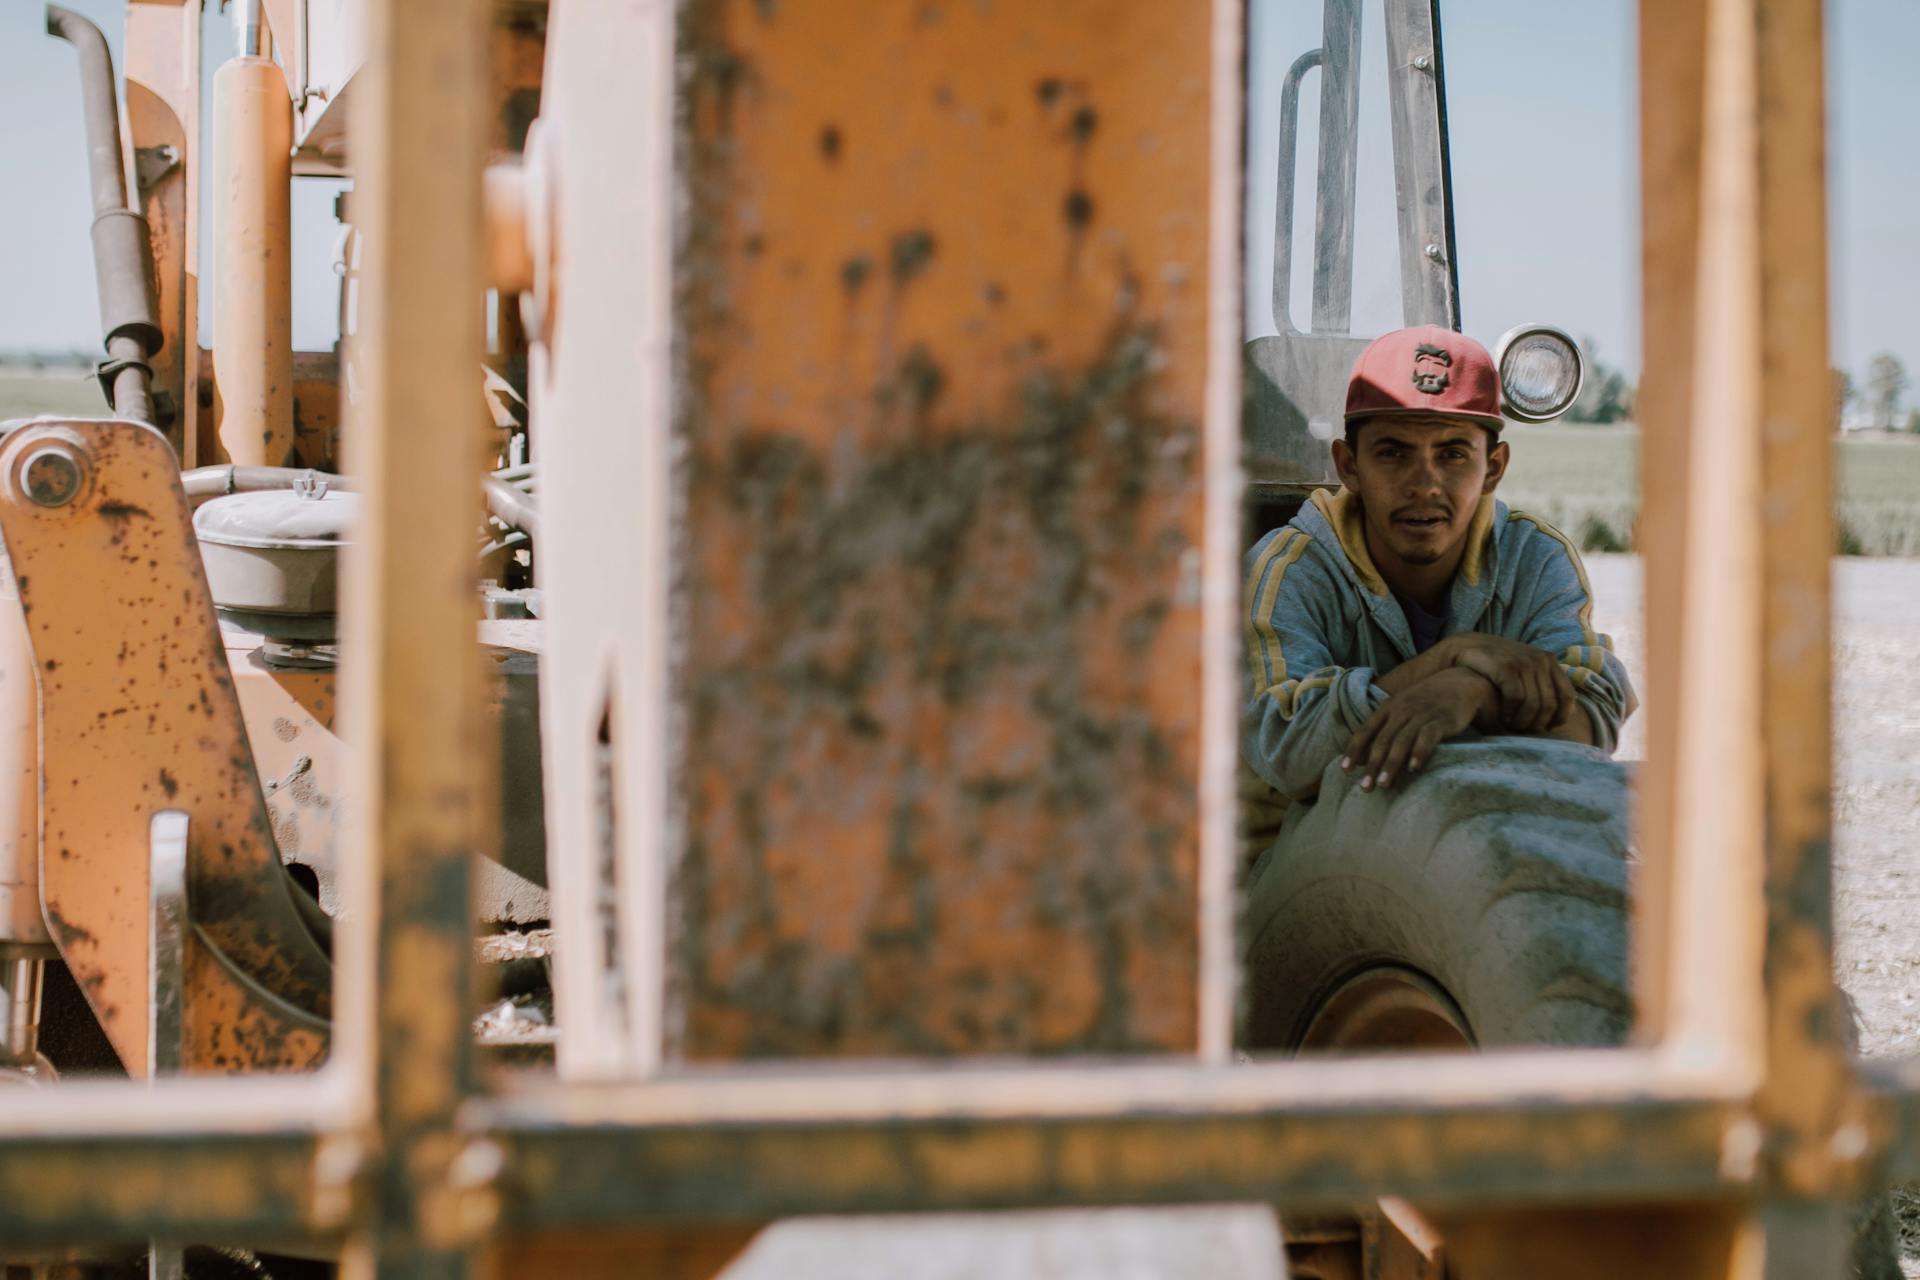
<point>941,761</point>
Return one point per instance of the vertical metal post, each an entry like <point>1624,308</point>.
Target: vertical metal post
<point>1286,193</point>
<point>1672,40</point>
<point>1807,1095</point>
<point>1339,168</point>
<point>411,677</point>
<point>1714,970</point>
<point>1220,576</point>
<point>1429,282</point>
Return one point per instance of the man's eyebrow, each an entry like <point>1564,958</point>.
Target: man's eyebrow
<point>1459,439</point>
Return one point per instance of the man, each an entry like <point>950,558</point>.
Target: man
<point>1411,607</point>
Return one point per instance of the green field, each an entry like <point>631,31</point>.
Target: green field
<point>67,391</point>
<point>1586,481</point>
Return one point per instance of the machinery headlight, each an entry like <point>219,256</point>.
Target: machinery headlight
<point>1540,372</point>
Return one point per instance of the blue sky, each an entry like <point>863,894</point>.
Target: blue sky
<point>1542,102</point>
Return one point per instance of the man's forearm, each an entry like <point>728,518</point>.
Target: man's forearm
<point>1416,669</point>
<point>1577,728</point>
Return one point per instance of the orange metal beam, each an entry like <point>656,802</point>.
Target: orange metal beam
<point>946,313</point>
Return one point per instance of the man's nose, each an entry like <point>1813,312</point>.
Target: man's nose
<point>1424,475</point>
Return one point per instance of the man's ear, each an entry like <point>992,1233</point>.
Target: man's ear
<point>1345,464</point>
<point>1496,466</point>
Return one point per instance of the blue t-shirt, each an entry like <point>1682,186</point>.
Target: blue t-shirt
<point>1426,627</point>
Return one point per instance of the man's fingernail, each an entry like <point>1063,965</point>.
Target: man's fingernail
<point>1366,784</point>
<point>1346,762</point>
<point>1413,763</point>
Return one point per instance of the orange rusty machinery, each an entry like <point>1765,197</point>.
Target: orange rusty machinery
<point>885,374</point>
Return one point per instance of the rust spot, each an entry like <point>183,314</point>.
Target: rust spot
<point>115,510</point>
<point>830,141</point>
<point>285,729</point>
<point>169,784</point>
<point>1084,124</point>
<point>1049,90</point>
<point>912,252</point>
<point>1079,210</point>
<point>854,272</point>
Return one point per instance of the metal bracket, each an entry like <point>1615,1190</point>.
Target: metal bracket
<point>107,370</point>
<point>150,164</point>
<point>167,955</point>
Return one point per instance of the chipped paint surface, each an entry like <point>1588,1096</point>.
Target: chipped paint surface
<point>138,711</point>
<point>945,322</point>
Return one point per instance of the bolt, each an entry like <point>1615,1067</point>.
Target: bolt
<point>1423,63</point>
<point>1433,253</point>
<point>52,477</point>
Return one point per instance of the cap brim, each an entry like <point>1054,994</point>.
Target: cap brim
<point>1493,420</point>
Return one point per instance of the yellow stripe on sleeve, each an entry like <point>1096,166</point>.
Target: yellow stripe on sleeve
<point>1579,569</point>
<point>1263,642</point>
<point>1289,692</point>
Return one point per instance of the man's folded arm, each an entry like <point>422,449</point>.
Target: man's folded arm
<point>1301,708</point>
<point>1561,622</point>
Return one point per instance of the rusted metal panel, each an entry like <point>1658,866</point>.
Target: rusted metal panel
<point>944,311</point>
<point>138,712</point>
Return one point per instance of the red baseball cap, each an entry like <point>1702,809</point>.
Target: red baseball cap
<point>1427,370</point>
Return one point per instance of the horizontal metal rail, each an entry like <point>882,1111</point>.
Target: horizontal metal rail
<point>278,1159</point>
<point>204,1159</point>
<point>743,1144</point>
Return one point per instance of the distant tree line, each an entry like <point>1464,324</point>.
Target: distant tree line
<point>1877,395</point>
<point>1876,399</point>
<point>1607,395</point>
<point>49,361</point>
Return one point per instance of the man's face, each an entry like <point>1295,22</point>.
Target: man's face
<point>1419,480</point>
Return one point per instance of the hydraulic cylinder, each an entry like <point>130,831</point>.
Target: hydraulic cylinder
<point>252,272</point>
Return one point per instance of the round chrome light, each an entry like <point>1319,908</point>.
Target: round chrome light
<point>1540,372</point>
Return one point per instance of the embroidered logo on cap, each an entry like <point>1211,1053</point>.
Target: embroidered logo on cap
<point>1430,365</point>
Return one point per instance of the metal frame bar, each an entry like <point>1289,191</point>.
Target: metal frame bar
<point>1339,165</point>
<point>1748,1098</point>
<point>1429,281</point>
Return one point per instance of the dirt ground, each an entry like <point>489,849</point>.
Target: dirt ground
<point>1876,879</point>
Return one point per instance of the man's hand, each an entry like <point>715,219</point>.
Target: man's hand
<point>1535,694</point>
<point>1400,736</point>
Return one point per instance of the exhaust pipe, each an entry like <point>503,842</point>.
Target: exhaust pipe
<point>122,254</point>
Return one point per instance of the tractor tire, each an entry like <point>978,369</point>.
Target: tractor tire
<point>1487,894</point>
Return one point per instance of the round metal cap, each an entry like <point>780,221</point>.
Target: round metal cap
<point>277,553</point>
<point>279,518</point>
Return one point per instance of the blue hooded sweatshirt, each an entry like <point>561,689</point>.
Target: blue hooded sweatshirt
<point>1321,625</point>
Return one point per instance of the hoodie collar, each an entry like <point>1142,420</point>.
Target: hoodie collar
<point>1472,584</point>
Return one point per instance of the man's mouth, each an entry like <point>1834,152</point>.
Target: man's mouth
<point>1424,522</point>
